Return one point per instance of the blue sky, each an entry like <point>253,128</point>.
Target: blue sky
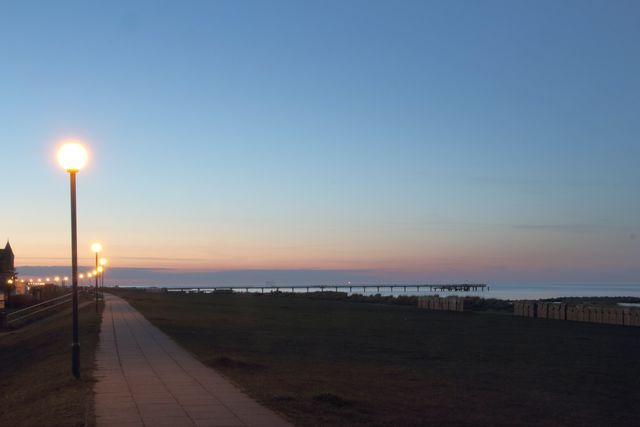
<point>472,140</point>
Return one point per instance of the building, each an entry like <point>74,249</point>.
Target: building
<point>7,266</point>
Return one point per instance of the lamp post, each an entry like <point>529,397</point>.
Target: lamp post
<point>72,157</point>
<point>103,264</point>
<point>100,273</point>
<point>96,248</point>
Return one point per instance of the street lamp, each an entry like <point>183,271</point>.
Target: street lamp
<point>72,157</point>
<point>96,248</point>
<point>100,271</point>
<point>103,264</point>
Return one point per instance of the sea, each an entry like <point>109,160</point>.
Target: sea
<point>506,291</point>
<point>555,290</point>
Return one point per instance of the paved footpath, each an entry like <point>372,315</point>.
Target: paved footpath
<point>146,379</point>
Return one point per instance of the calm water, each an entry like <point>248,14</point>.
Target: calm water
<point>518,291</point>
<point>551,290</point>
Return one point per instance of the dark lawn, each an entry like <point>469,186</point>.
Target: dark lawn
<point>36,384</point>
<point>344,363</point>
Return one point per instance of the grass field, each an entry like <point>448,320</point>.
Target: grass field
<point>345,363</point>
<point>36,384</point>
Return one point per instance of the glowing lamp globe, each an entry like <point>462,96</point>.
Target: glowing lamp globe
<point>96,247</point>
<point>72,156</point>
<point>103,261</point>
<point>100,269</point>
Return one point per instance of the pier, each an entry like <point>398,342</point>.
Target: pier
<point>464,287</point>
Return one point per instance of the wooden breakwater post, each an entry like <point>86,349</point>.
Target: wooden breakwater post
<point>624,316</point>
<point>525,308</point>
<point>450,303</point>
<point>552,310</point>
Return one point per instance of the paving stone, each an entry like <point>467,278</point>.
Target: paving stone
<point>146,379</point>
<point>168,421</point>
<point>219,422</point>
<point>208,411</point>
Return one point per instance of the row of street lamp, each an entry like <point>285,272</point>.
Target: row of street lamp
<point>99,272</point>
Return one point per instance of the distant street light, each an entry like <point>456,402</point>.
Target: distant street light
<point>96,248</point>
<point>73,157</point>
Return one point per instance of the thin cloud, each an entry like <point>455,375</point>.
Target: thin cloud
<point>563,228</point>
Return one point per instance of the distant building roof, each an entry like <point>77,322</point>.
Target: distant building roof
<point>7,249</point>
<point>6,259</point>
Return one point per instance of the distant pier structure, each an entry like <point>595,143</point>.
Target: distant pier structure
<point>272,287</point>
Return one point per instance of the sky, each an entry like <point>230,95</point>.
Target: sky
<point>411,141</point>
